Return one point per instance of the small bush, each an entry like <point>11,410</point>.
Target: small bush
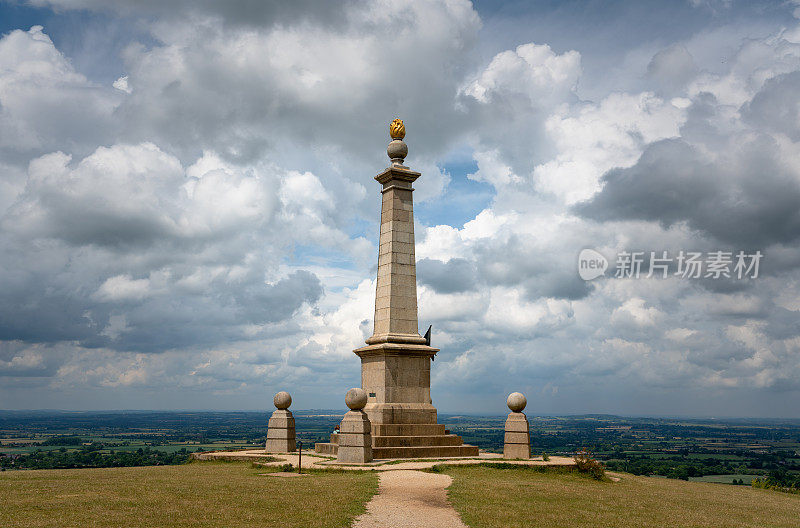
<point>287,468</point>
<point>586,464</point>
<point>545,457</point>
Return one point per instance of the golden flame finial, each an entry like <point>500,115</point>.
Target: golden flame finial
<point>397,129</point>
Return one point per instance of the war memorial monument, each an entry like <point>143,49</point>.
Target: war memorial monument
<point>396,361</point>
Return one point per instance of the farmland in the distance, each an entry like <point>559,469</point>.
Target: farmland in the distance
<point>697,449</point>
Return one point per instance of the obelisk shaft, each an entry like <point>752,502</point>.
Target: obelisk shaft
<point>396,291</point>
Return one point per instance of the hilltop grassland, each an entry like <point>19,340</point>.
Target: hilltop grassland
<point>522,497</point>
<point>235,494</point>
<point>200,494</point>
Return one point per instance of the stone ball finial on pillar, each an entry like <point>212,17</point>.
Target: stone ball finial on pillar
<point>355,431</point>
<point>282,400</point>
<point>281,433</point>
<point>356,398</point>
<point>516,401</point>
<point>397,149</point>
<point>517,442</point>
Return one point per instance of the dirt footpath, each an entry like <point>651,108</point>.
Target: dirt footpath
<point>410,499</point>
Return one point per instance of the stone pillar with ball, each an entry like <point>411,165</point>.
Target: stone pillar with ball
<point>355,431</point>
<point>280,433</point>
<point>517,442</point>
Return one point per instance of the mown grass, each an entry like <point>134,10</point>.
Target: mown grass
<point>528,497</point>
<point>200,494</point>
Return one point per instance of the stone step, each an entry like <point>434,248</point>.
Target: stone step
<point>326,448</point>
<point>407,429</point>
<point>330,449</point>
<point>425,452</point>
<point>416,441</point>
<point>410,441</point>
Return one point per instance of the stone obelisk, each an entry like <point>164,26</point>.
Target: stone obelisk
<point>396,363</point>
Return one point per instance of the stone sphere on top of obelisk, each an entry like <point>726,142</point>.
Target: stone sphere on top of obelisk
<point>395,364</point>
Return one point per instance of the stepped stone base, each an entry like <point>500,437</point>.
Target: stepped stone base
<point>325,448</point>
<point>463,450</point>
<point>408,429</point>
<point>425,452</point>
<point>408,441</point>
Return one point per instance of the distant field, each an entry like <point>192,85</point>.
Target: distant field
<point>195,495</point>
<point>672,447</point>
<point>724,479</point>
<point>691,456</point>
<point>523,498</point>
<point>133,446</point>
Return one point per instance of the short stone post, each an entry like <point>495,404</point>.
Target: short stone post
<point>355,433</point>
<point>517,441</point>
<point>281,435</point>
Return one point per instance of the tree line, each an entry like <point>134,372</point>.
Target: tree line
<point>92,457</point>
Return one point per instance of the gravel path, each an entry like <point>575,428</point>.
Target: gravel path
<point>410,499</point>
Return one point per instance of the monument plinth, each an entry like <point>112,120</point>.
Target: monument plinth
<point>517,442</point>
<point>355,435</point>
<point>280,433</point>
<point>396,363</point>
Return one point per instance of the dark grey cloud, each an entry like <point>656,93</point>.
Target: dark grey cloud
<point>296,87</point>
<point>455,275</point>
<point>515,261</point>
<point>40,306</point>
<point>782,324</point>
<point>747,198</point>
<point>235,12</point>
<point>776,107</point>
<point>671,69</point>
<point>215,317</point>
<point>19,360</point>
<point>523,264</point>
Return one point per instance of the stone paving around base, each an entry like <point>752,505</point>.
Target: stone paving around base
<point>312,460</point>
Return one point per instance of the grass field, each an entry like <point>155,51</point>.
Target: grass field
<point>201,494</point>
<point>521,497</point>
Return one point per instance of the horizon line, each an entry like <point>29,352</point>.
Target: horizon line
<point>343,411</point>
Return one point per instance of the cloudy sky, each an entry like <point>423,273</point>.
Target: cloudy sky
<point>188,218</point>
